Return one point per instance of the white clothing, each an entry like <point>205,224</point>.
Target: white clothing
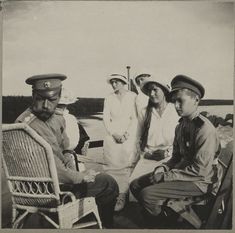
<point>162,128</point>
<point>72,131</point>
<point>119,117</point>
<point>141,102</point>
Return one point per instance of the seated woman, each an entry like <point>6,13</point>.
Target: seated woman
<point>156,129</point>
<point>78,140</point>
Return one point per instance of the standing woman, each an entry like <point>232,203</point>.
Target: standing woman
<point>120,142</point>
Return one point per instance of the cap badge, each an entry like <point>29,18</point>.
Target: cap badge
<point>47,84</point>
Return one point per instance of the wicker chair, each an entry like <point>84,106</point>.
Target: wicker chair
<point>31,174</point>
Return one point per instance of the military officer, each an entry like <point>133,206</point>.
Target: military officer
<point>193,169</point>
<point>46,92</point>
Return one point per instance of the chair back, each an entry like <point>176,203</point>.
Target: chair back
<point>29,166</point>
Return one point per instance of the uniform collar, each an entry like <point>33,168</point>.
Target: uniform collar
<point>191,117</point>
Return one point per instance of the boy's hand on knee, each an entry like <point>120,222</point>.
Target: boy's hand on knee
<point>157,178</point>
<point>159,170</point>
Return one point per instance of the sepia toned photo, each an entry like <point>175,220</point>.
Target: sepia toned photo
<point>117,115</point>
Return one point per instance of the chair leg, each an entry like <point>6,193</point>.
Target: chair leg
<point>19,220</point>
<point>14,215</point>
<point>97,216</point>
<point>64,223</point>
<point>48,219</point>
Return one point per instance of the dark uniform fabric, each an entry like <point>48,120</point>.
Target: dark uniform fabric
<point>196,148</point>
<point>104,189</point>
<point>193,169</point>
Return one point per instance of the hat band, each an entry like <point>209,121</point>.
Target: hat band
<point>48,89</point>
<point>49,92</point>
<point>187,86</point>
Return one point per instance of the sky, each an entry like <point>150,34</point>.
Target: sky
<point>88,41</point>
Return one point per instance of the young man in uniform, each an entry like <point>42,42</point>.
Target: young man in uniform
<point>193,169</point>
<point>40,116</point>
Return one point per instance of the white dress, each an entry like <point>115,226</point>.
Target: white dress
<point>72,131</point>
<point>161,136</point>
<point>119,117</point>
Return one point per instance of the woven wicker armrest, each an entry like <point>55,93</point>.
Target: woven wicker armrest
<point>66,195</point>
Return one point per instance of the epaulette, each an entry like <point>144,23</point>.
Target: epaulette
<point>198,121</point>
<point>27,117</point>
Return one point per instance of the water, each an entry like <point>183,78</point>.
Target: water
<point>219,110</point>
<point>96,130</point>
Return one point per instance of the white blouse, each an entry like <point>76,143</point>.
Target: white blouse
<point>162,128</point>
<point>119,116</point>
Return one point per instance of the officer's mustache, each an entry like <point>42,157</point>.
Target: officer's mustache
<point>43,114</point>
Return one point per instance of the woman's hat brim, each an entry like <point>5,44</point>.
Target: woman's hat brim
<point>116,77</point>
<point>144,87</point>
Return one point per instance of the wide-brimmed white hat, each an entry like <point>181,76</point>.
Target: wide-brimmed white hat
<point>67,97</point>
<point>145,86</point>
<point>117,76</point>
<point>142,75</point>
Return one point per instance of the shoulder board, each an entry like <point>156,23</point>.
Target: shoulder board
<point>198,121</point>
<point>27,117</point>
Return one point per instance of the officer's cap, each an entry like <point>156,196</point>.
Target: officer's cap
<point>46,81</point>
<point>181,81</point>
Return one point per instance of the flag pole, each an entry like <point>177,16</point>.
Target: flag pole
<point>128,77</point>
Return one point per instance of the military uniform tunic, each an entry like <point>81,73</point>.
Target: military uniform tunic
<point>53,131</point>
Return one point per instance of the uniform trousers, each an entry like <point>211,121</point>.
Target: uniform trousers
<point>150,195</point>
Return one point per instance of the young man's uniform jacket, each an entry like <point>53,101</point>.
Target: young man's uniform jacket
<point>195,154</point>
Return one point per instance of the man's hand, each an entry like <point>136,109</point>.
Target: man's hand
<point>69,161</point>
<point>89,176</point>
<point>156,178</point>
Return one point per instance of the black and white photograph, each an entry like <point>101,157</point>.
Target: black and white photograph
<point>117,114</point>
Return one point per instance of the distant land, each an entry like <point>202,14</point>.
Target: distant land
<point>12,106</point>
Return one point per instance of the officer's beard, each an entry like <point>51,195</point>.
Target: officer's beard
<point>43,115</point>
